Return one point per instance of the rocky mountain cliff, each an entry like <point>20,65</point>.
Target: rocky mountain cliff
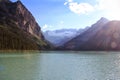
<point>19,28</point>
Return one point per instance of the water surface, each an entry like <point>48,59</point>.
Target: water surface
<point>54,65</point>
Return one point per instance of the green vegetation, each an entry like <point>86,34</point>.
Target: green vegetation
<point>12,37</point>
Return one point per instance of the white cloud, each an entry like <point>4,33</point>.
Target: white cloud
<point>70,0</point>
<point>108,4</point>
<point>65,3</point>
<point>58,25</point>
<point>79,8</point>
<point>111,7</point>
<point>45,26</point>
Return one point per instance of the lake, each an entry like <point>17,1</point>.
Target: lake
<point>53,65</point>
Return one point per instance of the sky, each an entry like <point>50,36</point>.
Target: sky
<point>76,14</point>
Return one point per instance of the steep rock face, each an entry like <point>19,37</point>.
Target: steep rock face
<point>19,28</point>
<point>21,17</point>
<point>27,21</point>
<point>77,42</point>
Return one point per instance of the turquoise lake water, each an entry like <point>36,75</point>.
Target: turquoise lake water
<point>53,65</point>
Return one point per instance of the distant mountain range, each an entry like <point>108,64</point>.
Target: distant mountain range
<point>59,37</point>
<point>18,28</point>
<point>103,35</point>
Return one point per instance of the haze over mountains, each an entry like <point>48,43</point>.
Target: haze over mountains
<point>59,37</point>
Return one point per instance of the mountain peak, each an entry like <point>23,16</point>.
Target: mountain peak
<point>100,22</point>
<point>103,20</point>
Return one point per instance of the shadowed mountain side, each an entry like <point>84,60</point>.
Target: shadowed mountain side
<point>108,38</point>
<point>18,28</point>
<point>103,35</point>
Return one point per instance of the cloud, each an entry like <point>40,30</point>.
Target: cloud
<point>111,7</point>
<point>108,4</point>
<point>79,8</point>
<point>55,26</point>
<point>107,8</point>
<point>65,3</point>
<point>45,26</point>
<point>70,0</point>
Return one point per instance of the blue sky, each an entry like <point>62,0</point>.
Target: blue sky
<point>59,14</point>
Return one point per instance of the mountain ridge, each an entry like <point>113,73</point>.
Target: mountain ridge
<point>89,40</point>
<point>61,36</point>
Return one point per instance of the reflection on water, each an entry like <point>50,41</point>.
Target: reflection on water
<point>60,66</point>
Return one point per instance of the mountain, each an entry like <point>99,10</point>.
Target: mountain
<point>90,39</point>
<point>108,38</point>
<point>80,31</point>
<point>61,36</point>
<point>19,29</point>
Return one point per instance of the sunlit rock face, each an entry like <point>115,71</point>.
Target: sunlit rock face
<point>19,29</point>
<point>21,16</point>
<point>26,20</point>
<point>105,36</point>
